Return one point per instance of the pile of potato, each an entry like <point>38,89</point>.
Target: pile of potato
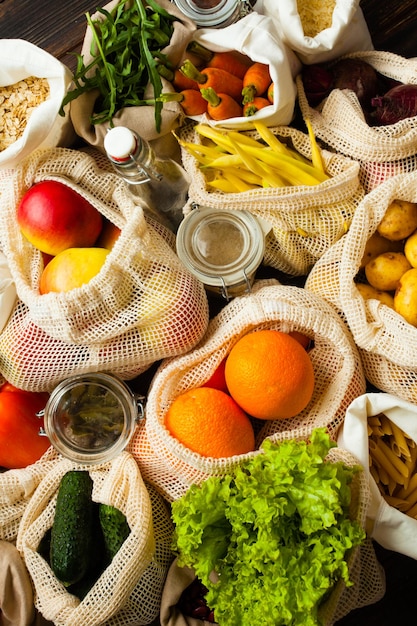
<point>389,263</point>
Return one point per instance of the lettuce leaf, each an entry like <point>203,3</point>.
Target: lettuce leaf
<point>270,540</point>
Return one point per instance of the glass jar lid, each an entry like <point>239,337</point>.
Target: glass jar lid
<point>90,418</point>
<point>222,248</point>
<point>210,13</point>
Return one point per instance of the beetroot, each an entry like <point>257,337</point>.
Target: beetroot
<point>358,76</point>
<point>397,104</point>
<point>317,83</point>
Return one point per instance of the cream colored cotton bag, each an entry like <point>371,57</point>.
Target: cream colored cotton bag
<point>386,342</point>
<point>128,591</point>
<point>305,220</point>
<point>382,151</point>
<point>170,466</point>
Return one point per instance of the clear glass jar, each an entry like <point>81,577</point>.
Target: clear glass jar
<point>90,418</point>
<point>222,248</point>
<point>214,13</point>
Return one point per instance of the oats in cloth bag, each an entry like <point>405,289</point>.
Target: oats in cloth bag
<point>387,343</point>
<point>305,220</point>
<point>128,591</point>
<point>129,315</point>
<point>181,599</point>
<point>319,30</point>
<point>387,519</point>
<point>339,122</point>
<point>138,118</point>
<point>168,464</point>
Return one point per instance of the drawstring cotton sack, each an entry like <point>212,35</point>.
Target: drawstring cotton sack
<point>339,121</point>
<point>319,31</point>
<point>386,342</point>
<point>170,466</point>
<point>142,305</point>
<point>129,590</point>
<point>305,220</point>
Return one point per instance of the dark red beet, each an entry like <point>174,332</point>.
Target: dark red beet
<point>397,104</point>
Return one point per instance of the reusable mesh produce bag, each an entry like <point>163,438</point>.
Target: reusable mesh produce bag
<point>305,220</point>
<point>386,342</point>
<point>382,151</point>
<point>143,305</point>
<point>364,570</point>
<point>170,466</point>
<point>129,590</point>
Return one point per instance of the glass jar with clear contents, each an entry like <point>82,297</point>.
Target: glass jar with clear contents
<point>90,418</point>
<point>214,13</point>
<point>222,248</point>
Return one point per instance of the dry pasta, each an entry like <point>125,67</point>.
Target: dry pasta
<point>393,463</point>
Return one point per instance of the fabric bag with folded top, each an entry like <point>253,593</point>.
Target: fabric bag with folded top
<point>388,519</point>
<point>386,342</point>
<point>33,84</point>
<point>138,118</point>
<point>128,591</point>
<point>129,315</point>
<point>319,31</point>
<point>305,220</point>
<point>168,464</point>
<point>255,37</point>
<point>339,121</point>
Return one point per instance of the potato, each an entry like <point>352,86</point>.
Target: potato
<point>405,298</point>
<point>399,221</point>
<point>368,293</point>
<point>376,245</point>
<point>410,249</point>
<point>385,271</point>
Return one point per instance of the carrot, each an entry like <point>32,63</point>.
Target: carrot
<point>228,60</point>
<point>256,81</point>
<point>218,79</point>
<point>270,93</point>
<point>220,106</point>
<point>193,102</point>
<point>250,108</point>
<point>177,78</point>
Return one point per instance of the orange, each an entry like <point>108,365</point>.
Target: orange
<point>270,375</point>
<point>209,422</point>
<point>217,380</point>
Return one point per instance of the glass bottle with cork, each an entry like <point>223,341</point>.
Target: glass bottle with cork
<point>161,182</point>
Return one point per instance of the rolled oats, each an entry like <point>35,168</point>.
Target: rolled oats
<point>17,103</point>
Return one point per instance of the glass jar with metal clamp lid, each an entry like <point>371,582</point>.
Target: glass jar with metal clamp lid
<point>90,418</point>
<point>214,13</point>
<point>222,248</point>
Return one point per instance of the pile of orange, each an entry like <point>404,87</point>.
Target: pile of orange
<point>268,374</point>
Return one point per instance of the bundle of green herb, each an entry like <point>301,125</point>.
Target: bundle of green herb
<point>126,49</point>
<point>270,541</point>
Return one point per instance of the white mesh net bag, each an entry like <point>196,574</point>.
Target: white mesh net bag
<point>382,151</point>
<point>142,306</point>
<point>305,220</point>
<point>386,342</point>
<point>168,464</point>
<point>129,590</point>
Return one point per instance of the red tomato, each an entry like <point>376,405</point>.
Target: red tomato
<point>20,442</point>
<point>217,380</point>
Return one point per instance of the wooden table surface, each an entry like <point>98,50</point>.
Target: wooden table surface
<point>59,28</point>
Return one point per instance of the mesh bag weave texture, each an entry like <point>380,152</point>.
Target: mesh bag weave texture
<point>365,572</point>
<point>129,590</point>
<point>305,220</point>
<point>142,306</point>
<point>386,342</point>
<point>170,466</point>
<point>382,151</point>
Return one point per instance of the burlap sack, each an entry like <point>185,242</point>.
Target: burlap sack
<point>142,118</point>
<point>129,590</point>
<point>129,315</point>
<point>386,342</point>
<point>305,220</point>
<point>365,572</point>
<point>339,122</point>
<point>171,467</point>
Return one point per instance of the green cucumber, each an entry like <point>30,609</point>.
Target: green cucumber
<point>72,529</point>
<point>115,529</point>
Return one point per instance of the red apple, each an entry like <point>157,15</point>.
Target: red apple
<point>54,217</point>
<point>108,236</point>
